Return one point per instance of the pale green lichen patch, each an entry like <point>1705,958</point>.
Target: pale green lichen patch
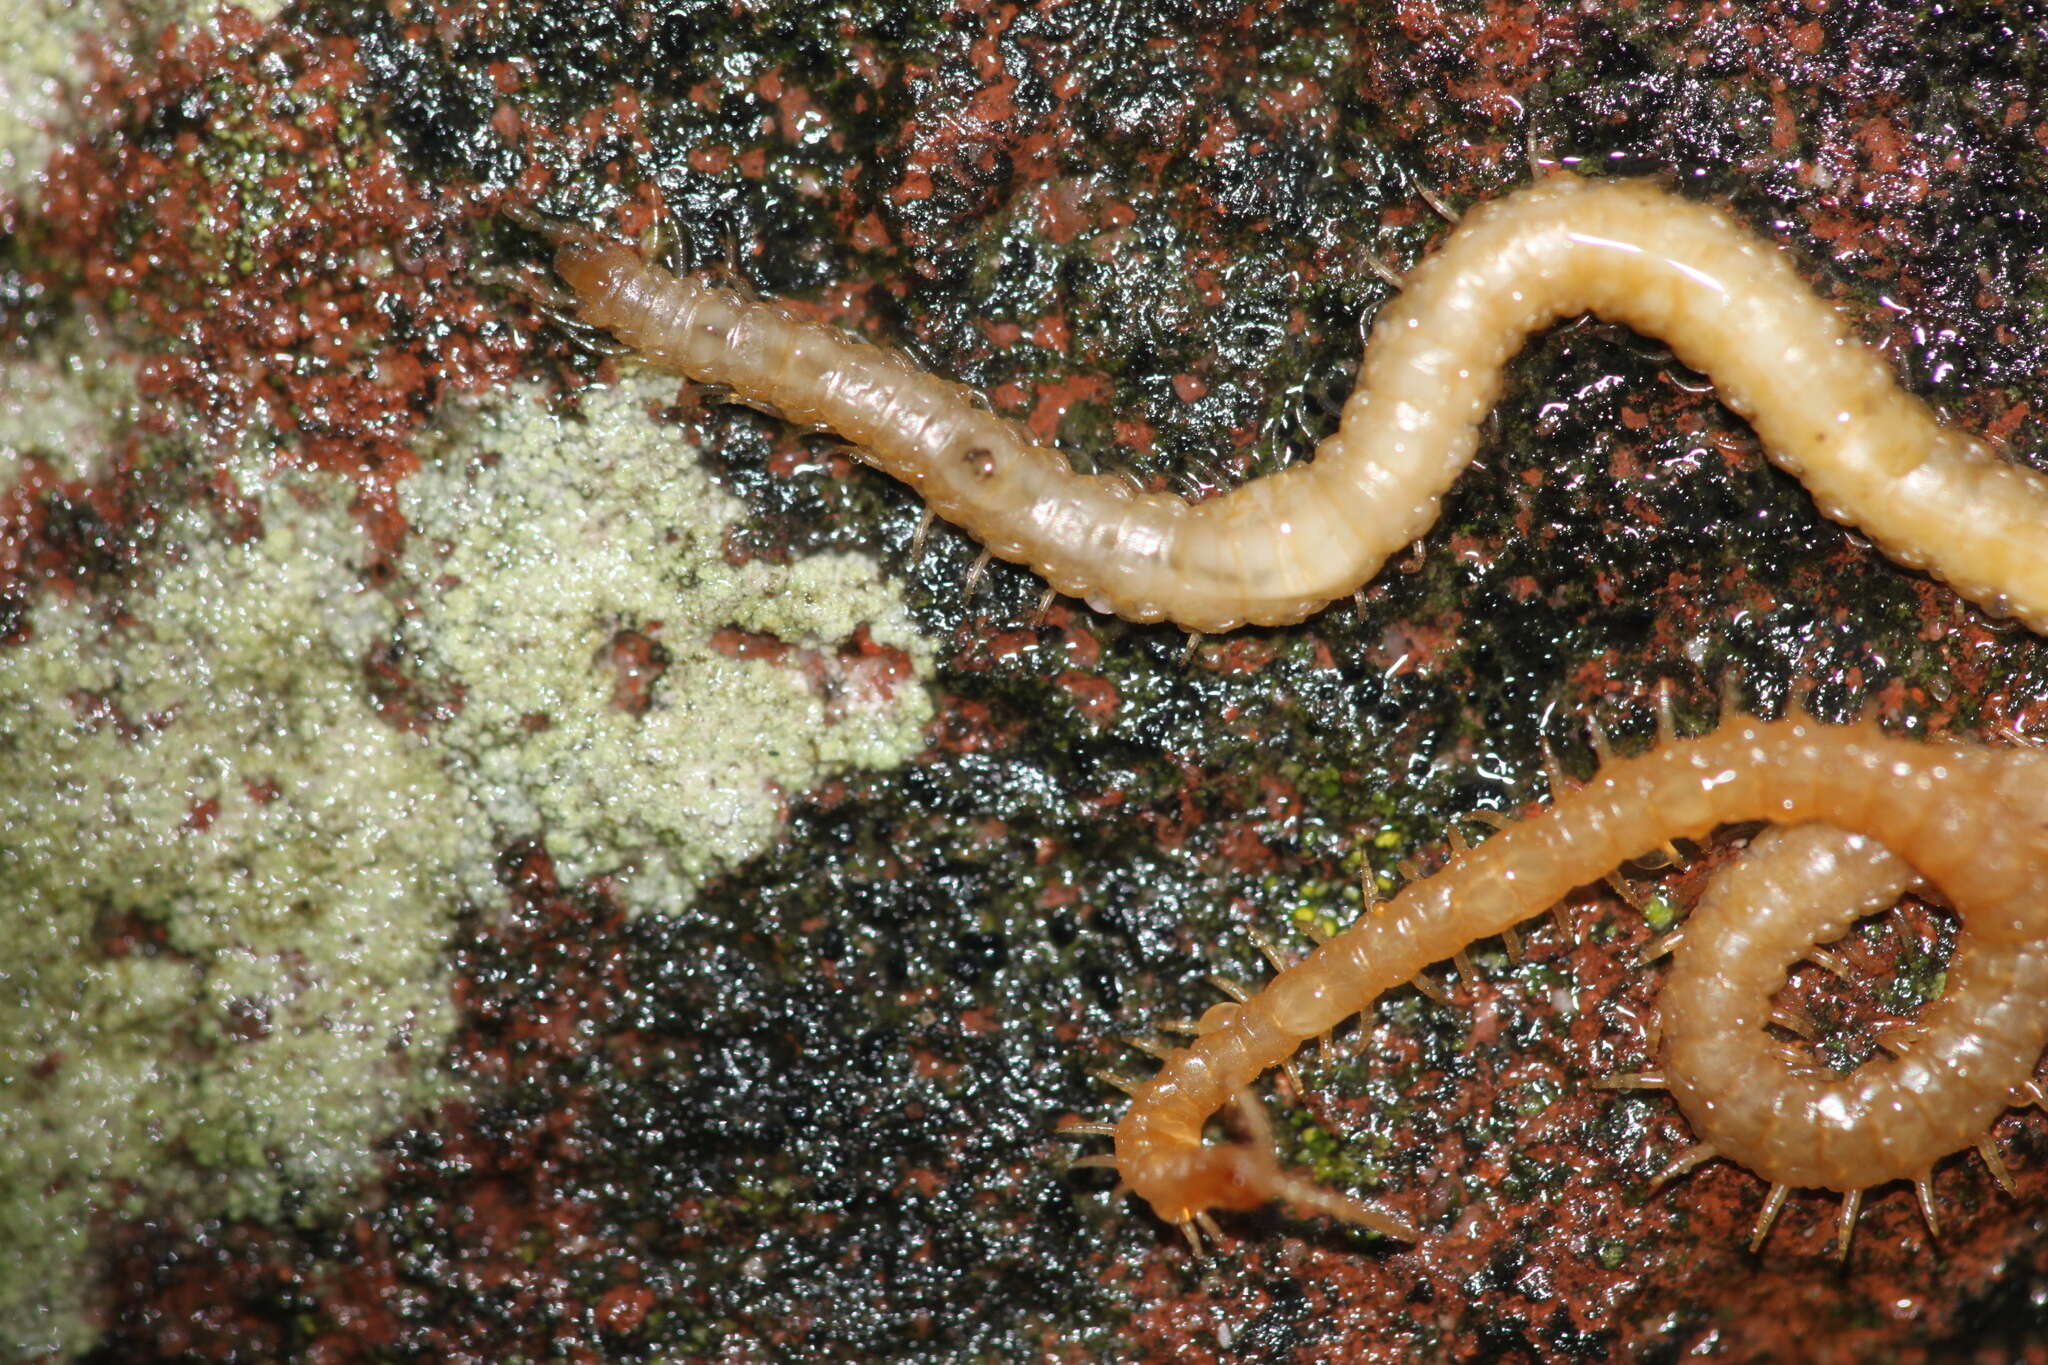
<point>229,891</point>
<point>66,401</point>
<point>540,537</point>
<point>227,886</point>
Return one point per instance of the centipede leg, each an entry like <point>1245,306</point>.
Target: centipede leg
<point>1696,1155</point>
<point>1987,1148</point>
<point>1773,1203</point>
<point>1923,1190</point>
<point>585,337</point>
<point>974,576</point>
<point>1845,1222</point>
<point>663,242</point>
<point>1378,266</point>
<point>918,537</point>
<point>1437,203</point>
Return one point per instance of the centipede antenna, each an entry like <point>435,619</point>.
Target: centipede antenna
<point>1773,1202</point>
<point>1080,1128</point>
<point>1923,1189</point>
<point>1129,1087</point>
<point>917,537</point>
<point>1987,1148</point>
<point>525,280</point>
<point>1630,1080</point>
<point>1845,1223</point>
<point>974,575</point>
<point>1695,1155</point>
<point>1435,201</point>
<point>556,230</point>
<point>527,216</point>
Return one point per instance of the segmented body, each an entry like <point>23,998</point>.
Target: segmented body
<point>1278,548</point>
<point>1972,821</point>
<point>1973,1049</point>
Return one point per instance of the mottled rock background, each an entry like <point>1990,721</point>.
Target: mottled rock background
<point>800,1109</point>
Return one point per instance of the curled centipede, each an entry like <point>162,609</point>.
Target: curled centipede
<point>1970,820</point>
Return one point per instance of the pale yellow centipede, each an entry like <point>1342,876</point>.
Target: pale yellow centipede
<point>1280,547</point>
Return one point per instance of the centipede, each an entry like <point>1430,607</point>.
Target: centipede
<point>1870,815</point>
<point>1279,548</point>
